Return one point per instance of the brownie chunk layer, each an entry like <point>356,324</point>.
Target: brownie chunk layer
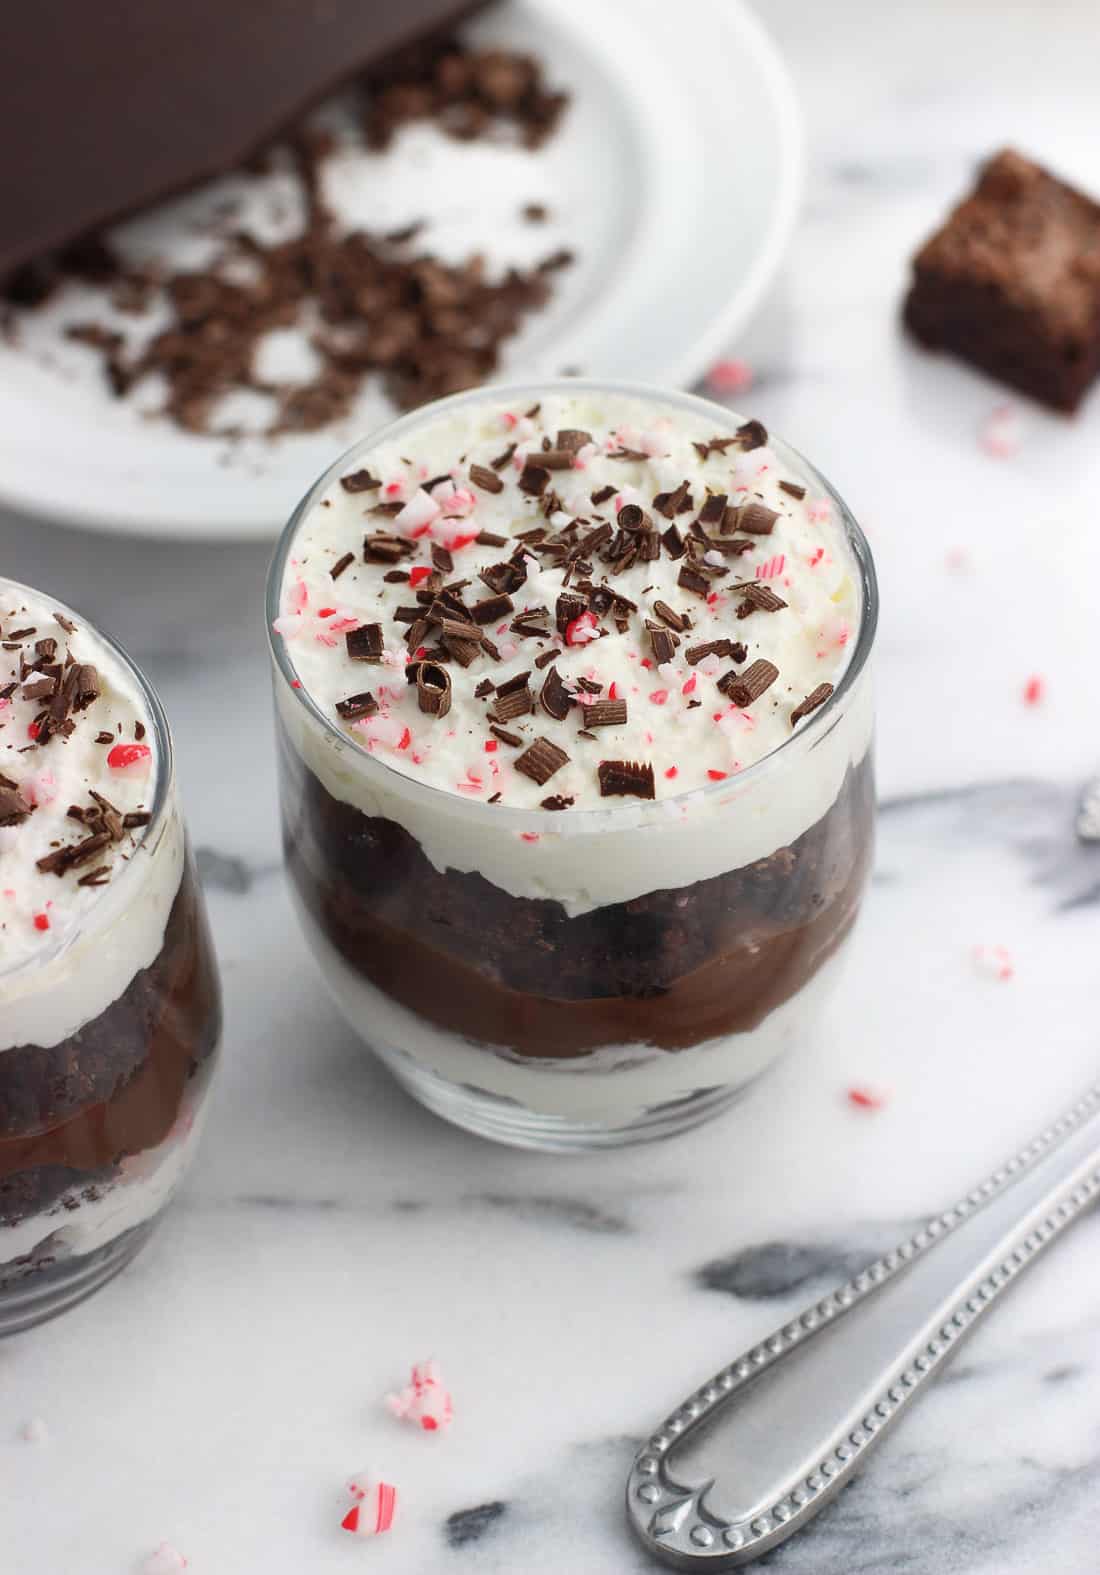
<point>70,1113</point>
<point>1011,283</point>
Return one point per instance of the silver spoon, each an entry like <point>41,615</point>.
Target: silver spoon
<point>753,1455</point>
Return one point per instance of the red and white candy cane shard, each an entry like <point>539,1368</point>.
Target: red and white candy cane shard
<point>374,1509</point>
<point>426,1403</point>
<point>167,1560</point>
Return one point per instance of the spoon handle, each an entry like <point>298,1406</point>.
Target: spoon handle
<point>752,1456</point>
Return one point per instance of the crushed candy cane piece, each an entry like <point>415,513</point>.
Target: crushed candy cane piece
<point>1033,690</point>
<point>1001,432</point>
<point>580,630</point>
<point>865,1099</point>
<point>994,961</point>
<point>35,1431</point>
<point>167,1560</point>
<point>729,377</point>
<point>425,1402</point>
<point>374,1508</point>
<point>134,759</point>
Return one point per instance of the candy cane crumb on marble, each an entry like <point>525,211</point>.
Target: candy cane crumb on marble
<point>374,1508</point>
<point>165,1560</point>
<point>425,1402</point>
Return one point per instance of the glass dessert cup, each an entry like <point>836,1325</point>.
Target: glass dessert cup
<point>591,978</point>
<point>108,1042</point>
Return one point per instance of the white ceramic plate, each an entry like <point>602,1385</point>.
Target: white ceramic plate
<point>674,178</point>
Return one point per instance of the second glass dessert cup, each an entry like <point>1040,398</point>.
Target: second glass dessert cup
<point>591,978</point>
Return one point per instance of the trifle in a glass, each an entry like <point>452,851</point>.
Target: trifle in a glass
<point>575,715</point>
<point>110,1011</point>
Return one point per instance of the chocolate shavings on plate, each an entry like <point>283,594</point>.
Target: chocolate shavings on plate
<point>605,713</point>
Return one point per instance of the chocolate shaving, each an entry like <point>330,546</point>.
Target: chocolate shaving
<point>516,702</point>
<point>671,503</point>
<point>489,538</point>
<point>514,739</point>
<point>602,494</point>
<point>733,546</point>
<point>485,687</point>
<point>341,564</point>
<point>359,481</point>
<point>556,801</point>
<point>662,643</point>
<point>14,808</point>
<point>627,453</point>
<point>64,859</point>
<point>503,459</point>
<point>755,519</point>
<point>486,479</point>
<point>556,458</point>
<point>816,697</point>
<point>135,818</point>
<point>690,579</point>
<point>753,682</point>
<point>355,706</point>
<point>81,683</point>
<point>554,697</point>
<point>442,559</point>
<point>541,760</point>
<point>39,688</point>
<point>567,609</point>
<point>433,689</point>
<point>66,623</point>
<point>605,713</point>
<point>754,434</point>
<point>758,598</point>
<point>626,778</point>
<point>381,548</point>
<point>572,439</point>
<point>793,488</point>
<point>534,479</point>
<point>674,542</point>
<point>504,578</point>
<point>366,643</point>
<point>544,658</point>
<point>111,818</point>
<point>461,648</point>
<point>666,614</point>
<point>696,653</point>
<point>96,877</point>
<point>510,685</point>
<point>713,509</point>
<point>105,738</point>
<point>491,608</point>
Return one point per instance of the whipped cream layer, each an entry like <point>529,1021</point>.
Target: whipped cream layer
<point>453,497</point>
<point>76,922</point>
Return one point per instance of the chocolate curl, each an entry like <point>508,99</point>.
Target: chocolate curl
<point>433,688</point>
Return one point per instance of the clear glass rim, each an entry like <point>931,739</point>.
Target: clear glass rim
<point>801,740</point>
<point>116,892</point>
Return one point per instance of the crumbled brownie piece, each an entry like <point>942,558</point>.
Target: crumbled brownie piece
<point>1011,283</point>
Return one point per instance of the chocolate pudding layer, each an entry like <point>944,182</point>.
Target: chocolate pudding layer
<point>670,969</point>
<point>72,1112</point>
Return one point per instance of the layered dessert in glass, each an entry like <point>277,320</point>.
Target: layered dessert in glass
<point>109,1000</point>
<point>575,751</point>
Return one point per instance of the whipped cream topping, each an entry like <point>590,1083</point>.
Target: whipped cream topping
<point>628,558</point>
<point>82,743</point>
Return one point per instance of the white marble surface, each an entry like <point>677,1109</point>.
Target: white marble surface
<point>218,1394</point>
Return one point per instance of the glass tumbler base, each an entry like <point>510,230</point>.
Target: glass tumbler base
<point>507,1121</point>
<point>46,1292</point>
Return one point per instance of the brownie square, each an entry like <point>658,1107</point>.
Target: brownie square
<point>1011,283</point>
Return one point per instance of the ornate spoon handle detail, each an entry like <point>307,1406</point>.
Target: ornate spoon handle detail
<point>753,1455</point>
